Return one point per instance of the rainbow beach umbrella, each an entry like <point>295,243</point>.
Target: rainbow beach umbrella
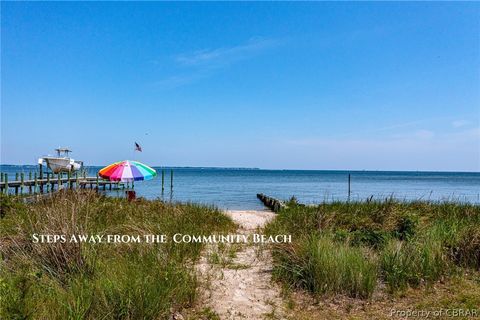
<point>127,171</point>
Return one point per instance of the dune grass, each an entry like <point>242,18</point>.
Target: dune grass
<point>99,281</point>
<point>323,266</point>
<point>352,247</point>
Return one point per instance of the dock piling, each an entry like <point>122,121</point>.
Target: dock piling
<point>40,169</point>
<point>171,179</point>
<point>349,189</point>
<point>22,179</point>
<point>16,187</point>
<point>163,180</point>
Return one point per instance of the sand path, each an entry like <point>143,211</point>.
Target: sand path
<point>241,287</point>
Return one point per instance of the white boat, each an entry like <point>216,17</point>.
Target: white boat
<point>62,162</point>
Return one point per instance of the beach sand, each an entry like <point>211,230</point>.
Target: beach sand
<point>242,288</point>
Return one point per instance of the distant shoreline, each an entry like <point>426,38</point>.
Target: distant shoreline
<point>269,169</point>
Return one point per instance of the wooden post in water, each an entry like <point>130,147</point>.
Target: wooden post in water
<point>171,179</point>
<point>22,178</point>
<point>1,177</point>
<point>16,179</point>
<point>97,180</point>
<point>349,189</point>
<point>59,177</point>
<point>30,179</point>
<point>40,168</point>
<point>6,183</point>
<point>163,180</point>
<point>36,184</point>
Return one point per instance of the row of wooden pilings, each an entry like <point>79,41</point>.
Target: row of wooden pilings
<point>163,180</point>
<point>276,205</point>
<point>273,204</point>
<point>37,183</point>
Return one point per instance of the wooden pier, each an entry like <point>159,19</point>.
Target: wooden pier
<point>40,182</point>
<point>56,182</point>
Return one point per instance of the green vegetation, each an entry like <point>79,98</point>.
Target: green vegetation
<point>321,265</point>
<point>352,248</point>
<point>99,281</point>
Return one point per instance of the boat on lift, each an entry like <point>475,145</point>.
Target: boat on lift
<point>62,162</point>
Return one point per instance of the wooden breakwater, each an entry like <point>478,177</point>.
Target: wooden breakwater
<point>276,205</point>
<point>273,204</point>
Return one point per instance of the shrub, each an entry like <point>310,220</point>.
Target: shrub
<point>406,227</point>
<point>372,238</point>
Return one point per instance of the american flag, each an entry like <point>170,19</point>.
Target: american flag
<point>137,147</point>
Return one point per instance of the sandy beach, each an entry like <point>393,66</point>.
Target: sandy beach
<point>243,289</point>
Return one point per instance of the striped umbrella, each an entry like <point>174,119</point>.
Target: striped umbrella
<point>126,171</point>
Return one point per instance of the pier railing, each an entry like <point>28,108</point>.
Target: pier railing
<point>57,182</point>
<point>43,182</point>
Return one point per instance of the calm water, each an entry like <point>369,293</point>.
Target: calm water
<point>237,188</point>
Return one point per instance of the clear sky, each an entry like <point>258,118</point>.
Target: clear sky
<point>381,86</point>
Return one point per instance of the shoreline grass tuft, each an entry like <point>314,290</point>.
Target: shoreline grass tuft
<point>351,247</point>
<point>99,281</point>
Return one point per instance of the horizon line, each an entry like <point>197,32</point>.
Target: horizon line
<point>273,169</point>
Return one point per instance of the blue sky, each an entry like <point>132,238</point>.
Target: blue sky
<point>379,86</point>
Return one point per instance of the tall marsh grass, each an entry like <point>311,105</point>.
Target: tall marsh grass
<point>413,263</point>
<point>99,281</point>
<point>323,266</point>
<point>349,248</point>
